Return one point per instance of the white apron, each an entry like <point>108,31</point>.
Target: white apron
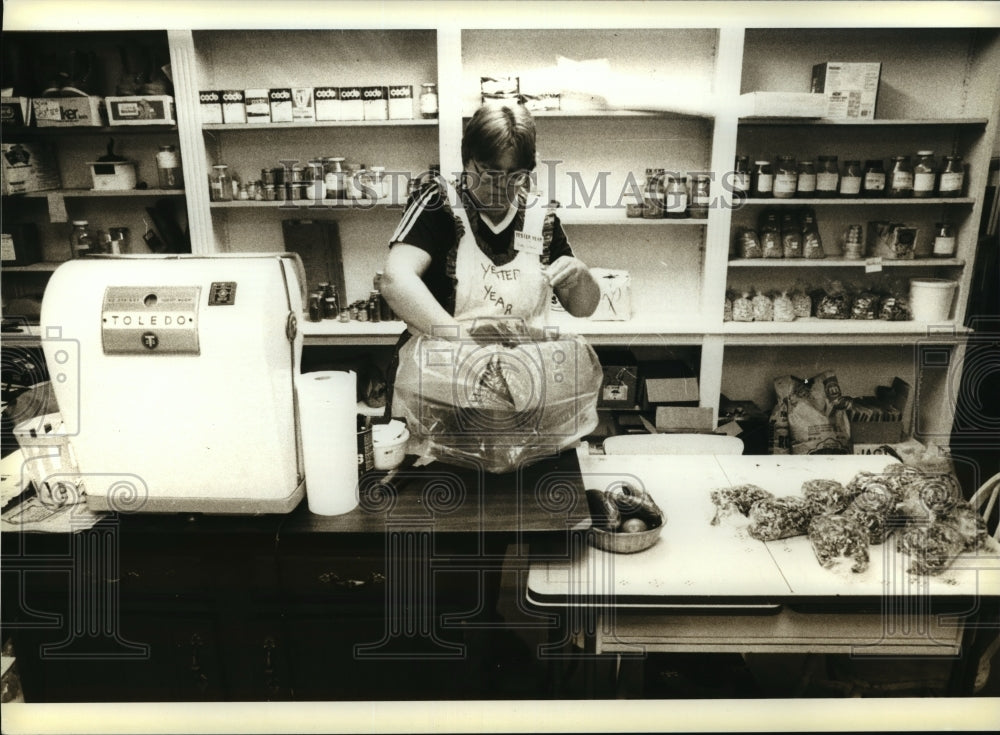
<point>497,406</point>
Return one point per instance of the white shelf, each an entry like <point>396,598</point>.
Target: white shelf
<point>826,121</point>
<point>841,263</point>
<point>340,205</point>
<point>835,202</point>
<point>616,216</point>
<point>93,193</point>
<point>841,331</point>
<point>421,122</point>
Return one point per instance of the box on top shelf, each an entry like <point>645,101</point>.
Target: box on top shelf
<point>210,102</point>
<point>281,104</point>
<point>67,111</point>
<point>303,104</point>
<point>851,89</point>
<point>401,102</point>
<point>258,106</point>
<point>234,108</point>
<point>29,167</point>
<point>141,110</point>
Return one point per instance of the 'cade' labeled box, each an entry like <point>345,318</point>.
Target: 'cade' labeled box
<point>851,89</point>
<point>401,102</point>
<point>327,103</point>
<point>258,106</point>
<point>281,104</point>
<point>234,106</point>
<point>352,103</point>
<point>376,103</point>
<point>210,106</point>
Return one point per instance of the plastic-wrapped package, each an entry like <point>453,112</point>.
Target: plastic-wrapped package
<point>835,302</point>
<point>802,304</point>
<point>763,308</point>
<point>895,305</point>
<point>743,308</point>
<point>736,500</point>
<point>833,537</point>
<point>497,404</point>
<point>777,518</point>
<point>770,234</point>
<point>932,547</point>
<point>812,244</point>
<point>830,495</point>
<point>748,244</point>
<point>791,235</point>
<point>865,306</point>
<point>727,308</point>
<point>784,308</point>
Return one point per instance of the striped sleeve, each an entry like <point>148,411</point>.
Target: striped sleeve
<point>418,216</point>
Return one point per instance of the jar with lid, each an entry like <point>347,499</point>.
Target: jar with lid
<point>851,179</point>
<point>168,168</point>
<point>634,197</point>
<point>924,174</point>
<point>81,239</point>
<point>653,194</point>
<point>786,178</point>
<point>699,196</point>
<point>315,179</point>
<point>428,100</point>
<point>952,179</point>
<point>827,177</point>
<point>220,185</point>
<point>762,180</point>
<point>379,182</point>
<point>944,240</point>
<point>806,186</point>
<point>675,203</point>
<point>873,183</point>
<point>333,177</point>
<point>741,176</point>
<point>901,177</point>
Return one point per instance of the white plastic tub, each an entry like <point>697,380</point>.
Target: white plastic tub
<point>930,299</point>
<point>389,443</point>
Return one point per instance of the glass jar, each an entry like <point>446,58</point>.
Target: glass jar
<point>944,240</point>
<point>806,186</point>
<point>168,168</point>
<point>873,182</point>
<point>786,178</point>
<point>220,185</point>
<point>901,178</point>
<point>924,174</point>
<point>428,100</point>
<point>314,177</point>
<point>952,179</point>
<point>851,179</point>
<point>741,176</point>
<point>333,177</point>
<point>81,239</point>
<point>379,182</point>
<point>675,204</point>
<point>653,194</point>
<point>762,180</point>
<point>827,177</point>
<point>634,197</point>
<point>699,196</point>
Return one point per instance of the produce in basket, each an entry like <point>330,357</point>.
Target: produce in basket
<point>836,536</point>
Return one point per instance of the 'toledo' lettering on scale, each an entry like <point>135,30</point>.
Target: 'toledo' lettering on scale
<point>155,320</point>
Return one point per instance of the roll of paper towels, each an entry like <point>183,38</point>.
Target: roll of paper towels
<point>328,411</point>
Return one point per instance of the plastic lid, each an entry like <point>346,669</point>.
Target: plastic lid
<point>925,153</point>
<point>80,223</point>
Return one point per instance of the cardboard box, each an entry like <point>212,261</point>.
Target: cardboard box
<point>684,419</point>
<point>401,102</point>
<point>67,111</point>
<point>668,382</point>
<point>376,102</point>
<point>19,245</point>
<point>303,107</point>
<point>210,104</point>
<point>868,434</point>
<point>141,110</point>
<point>851,89</point>
<point>782,104</point>
<point>258,106</point>
<point>280,100</point>
<point>15,112</point>
<point>616,295</point>
<point>29,167</point>
<point>327,101</point>
<point>891,241</point>
<point>352,105</point>
<point>621,380</point>
<point>234,106</point>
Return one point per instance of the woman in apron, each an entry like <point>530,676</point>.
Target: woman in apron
<point>486,250</point>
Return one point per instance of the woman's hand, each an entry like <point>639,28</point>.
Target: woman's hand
<point>574,284</point>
